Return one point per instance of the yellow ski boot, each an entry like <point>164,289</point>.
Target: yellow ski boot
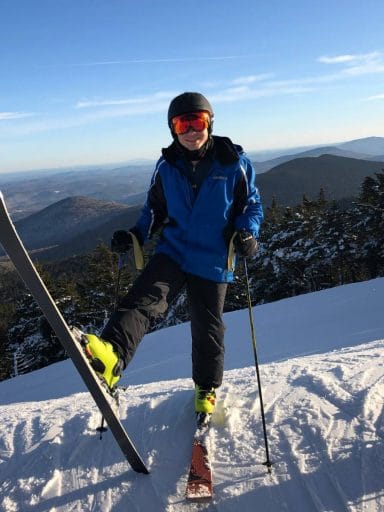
<point>205,400</point>
<point>103,359</point>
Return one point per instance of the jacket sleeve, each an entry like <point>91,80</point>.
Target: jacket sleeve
<point>154,212</point>
<point>247,208</point>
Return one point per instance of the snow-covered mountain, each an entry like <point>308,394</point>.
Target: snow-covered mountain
<point>322,374</point>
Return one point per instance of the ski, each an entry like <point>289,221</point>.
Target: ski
<point>199,484</point>
<point>14,247</point>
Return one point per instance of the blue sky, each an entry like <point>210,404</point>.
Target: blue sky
<point>89,81</point>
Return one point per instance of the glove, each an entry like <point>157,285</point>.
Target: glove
<point>121,242</point>
<point>245,244</point>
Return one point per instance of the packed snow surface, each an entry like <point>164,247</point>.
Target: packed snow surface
<point>322,377</point>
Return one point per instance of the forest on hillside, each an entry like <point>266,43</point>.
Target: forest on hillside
<point>313,246</point>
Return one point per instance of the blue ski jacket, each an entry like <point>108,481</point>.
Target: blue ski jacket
<point>198,222</point>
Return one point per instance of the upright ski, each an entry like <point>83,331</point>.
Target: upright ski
<point>12,244</point>
<point>199,485</point>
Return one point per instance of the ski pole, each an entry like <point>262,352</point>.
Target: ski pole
<point>120,265</point>
<point>268,462</point>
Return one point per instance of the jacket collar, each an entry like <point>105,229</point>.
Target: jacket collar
<point>223,150</point>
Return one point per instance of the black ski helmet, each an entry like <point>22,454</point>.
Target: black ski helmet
<point>188,102</point>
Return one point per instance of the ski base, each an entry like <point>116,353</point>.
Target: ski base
<point>199,485</point>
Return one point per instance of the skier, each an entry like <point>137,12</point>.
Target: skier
<point>204,200</point>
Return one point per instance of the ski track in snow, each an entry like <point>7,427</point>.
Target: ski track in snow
<point>324,415</point>
<point>325,432</point>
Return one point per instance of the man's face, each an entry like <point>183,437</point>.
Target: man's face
<point>193,140</point>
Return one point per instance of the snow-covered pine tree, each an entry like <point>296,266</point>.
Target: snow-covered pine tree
<point>97,289</point>
<point>32,344</point>
<point>369,227</point>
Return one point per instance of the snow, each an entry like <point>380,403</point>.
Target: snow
<point>322,374</point>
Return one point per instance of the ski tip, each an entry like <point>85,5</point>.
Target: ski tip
<point>199,492</point>
<point>143,471</point>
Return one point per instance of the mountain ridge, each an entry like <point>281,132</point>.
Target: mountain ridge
<point>340,178</point>
<point>372,146</point>
<point>87,240</point>
<point>128,184</point>
<point>64,219</point>
<point>262,167</point>
<point>73,225</point>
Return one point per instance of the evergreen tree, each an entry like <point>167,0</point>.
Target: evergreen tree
<point>97,288</point>
<point>369,191</point>
<point>6,314</point>
<point>370,225</point>
<point>274,212</point>
<point>321,200</point>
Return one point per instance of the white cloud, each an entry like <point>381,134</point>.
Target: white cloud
<point>351,58</point>
<point>86,115</point>
<point>357,64</point>
<point>96,110</point>
<point>9,116</point>
<point>340,59</point>
<point>237,89</point>
<point>234,94</point>
<point>376,97</point>
<point>144,101</point>
<point>251,79</point>
<point>366,68</point>
<point>159,60</point>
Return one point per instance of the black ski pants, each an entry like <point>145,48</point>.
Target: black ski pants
<point>149,298</point>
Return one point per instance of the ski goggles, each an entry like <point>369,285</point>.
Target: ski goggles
<point>197,121</point>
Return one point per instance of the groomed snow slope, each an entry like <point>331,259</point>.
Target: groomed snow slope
<point>323,385</point>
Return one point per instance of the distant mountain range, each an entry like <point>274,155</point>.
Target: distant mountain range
<point>74,225</point>
<point>262,167</point>
<point>369,145</point>
<point>340,178</point>
<point>89,236</point>
<point>127,185</point>
<point>371,148</point>
<point>65,219</point>
<point>31,192</point>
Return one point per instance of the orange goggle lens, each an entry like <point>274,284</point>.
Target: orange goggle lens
<point>197,121</point>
